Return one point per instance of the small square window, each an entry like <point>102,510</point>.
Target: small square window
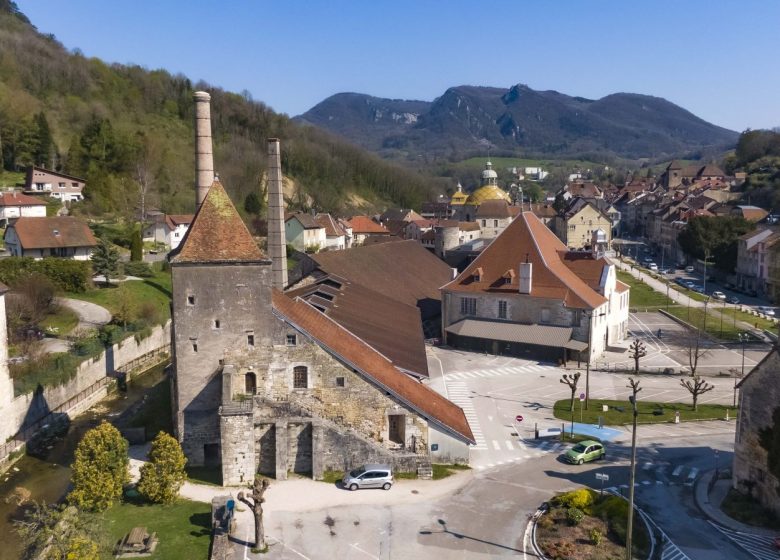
<point>300,377</point>
<point>216,323</point>
<point>250,339</point>
<point>191,300</point>
<point>339,382</point>
<point>292,340</point>
<point>194,346</point>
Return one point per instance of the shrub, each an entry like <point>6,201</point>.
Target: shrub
<point>150,314</point>
<point>162,477</point>
<point>99,469</point>
<point>546,522</point>
<point>581,499</point>
<point>596,536</point>
<point>140,269</point>
<point>559,550</point>
<point>574,516</point>
<point>67,275</point>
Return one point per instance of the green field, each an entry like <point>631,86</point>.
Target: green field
<point>183,529</point>
<point>504,162</point>
<point>647,409</point>
<point>643,296</point>
<point>59,323</point>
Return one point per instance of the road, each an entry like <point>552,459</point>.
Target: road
<point>90,314</point>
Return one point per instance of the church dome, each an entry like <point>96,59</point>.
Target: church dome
<point>488,192</point>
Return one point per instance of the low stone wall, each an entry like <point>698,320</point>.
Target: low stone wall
<point>90,384</point>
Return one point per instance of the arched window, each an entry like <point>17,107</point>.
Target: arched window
<point>250,383</point>
<point>300,377</point>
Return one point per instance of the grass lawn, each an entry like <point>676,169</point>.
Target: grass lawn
<point>747,510</point>
<point>614,416</point>
<point>443,471</point>
<point>696,296</point>
<point>156,290</point>
<point>695,316</point>
<point>182,528</point>
<point>59,323</point>
<point>641,295</point>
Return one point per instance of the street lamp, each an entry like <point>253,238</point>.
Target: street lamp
<point>743,338</point>
<point>706,302</point>
<point>587,364</point>
<point>706,258</point>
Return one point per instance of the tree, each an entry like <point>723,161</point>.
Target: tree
<point>136,245</point>
<point>258,490</point>
<point>716,237</point>
<point>99,470</point>
<point>162,477</point>
<point>637,351</point>
<point>696,386</point>
<point>694,349</point>
<point>54,532</point>
<point>105,260</point>
<point>125,306</point>
<point>560,203</point>
<point>252,203</point>
<point>571,379</point>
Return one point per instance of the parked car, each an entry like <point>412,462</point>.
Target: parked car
<point>689,269</point>
<point>585,451</point>
<point>647,260</point>
<point>767,311</point>
<point>665,271</point>
<point>652,267</point>
<point>682,282</point>
<point>719,295</point>
<point>698,288</point>
<point>689,284</point>
<point>734,300</point>
<point>369,476</point>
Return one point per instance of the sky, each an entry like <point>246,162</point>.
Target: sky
<point>718,59</point>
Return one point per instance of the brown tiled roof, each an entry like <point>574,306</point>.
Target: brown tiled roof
<point>402,270</point>
<point>395,227</point>
<point>751,213</point>
<point>19,199</point>
<point>712,170</point>
<point>378,370</point>
<point>543,210</point>
<point>364,224</point>
<point>527,239</point>
<point>585,189</point>
<point>469,226</point>
<point>217,233</point>
<point>305,219</point>
<point>493,209</point>
<point>377,239</point>
<point>391,327</point>
<point>400,214</point>
<point>620,287</point>
<point>585,266</point>
<point>332,227</point>
<point>429,235</point>
<point>52,232</point>
<point>174,220</point>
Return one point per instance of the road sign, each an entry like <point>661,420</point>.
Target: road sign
<point>582,396</point>
<point>518,418</point>
<point>600,476</point>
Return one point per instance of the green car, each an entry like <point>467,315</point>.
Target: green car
<point>585,451</point>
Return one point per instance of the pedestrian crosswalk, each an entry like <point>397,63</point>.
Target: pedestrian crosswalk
<point>670,551</point>
<point>760,547</point>
<point>499,371</point>
<point>461,395</point>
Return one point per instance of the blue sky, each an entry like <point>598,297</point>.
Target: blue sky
<point>717,59</point>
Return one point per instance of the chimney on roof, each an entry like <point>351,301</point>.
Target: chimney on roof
<point>204,155</point>
<point>526,274</point>
<point>277,244</point>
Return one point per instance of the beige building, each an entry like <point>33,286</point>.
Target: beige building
<point>304,232</point>
<point>527,295</point>
<point>575,225</point>
<point>57,185</point>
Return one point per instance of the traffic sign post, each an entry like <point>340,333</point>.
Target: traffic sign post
<point>518,418</point>
<point>602,477</point>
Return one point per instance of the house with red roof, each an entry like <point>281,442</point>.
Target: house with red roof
<point>364,227</point>
<point>528,295</point>
<point>168,229</point>
<point>15,205</point>
<point>56,236</point>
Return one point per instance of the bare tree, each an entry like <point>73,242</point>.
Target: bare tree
<point>571,379</point>
<point>694,349</point>
<point>256,505</point>
<point>696,386</point>
<point>637,350</point>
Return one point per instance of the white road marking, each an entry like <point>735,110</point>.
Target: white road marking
<point>509,445</point>
<point>678,470</point>
<point>693,473</point>
<point>356,547</point>
<point>496,445</point>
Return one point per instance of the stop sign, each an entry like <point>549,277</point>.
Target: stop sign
<point>519,418</point>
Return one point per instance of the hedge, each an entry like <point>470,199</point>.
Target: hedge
<point>68,275</point>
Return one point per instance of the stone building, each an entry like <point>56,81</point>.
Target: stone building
<point>576,224</point>
<point>758,426</point>
<point>466,210</point>
<point>527,295</point>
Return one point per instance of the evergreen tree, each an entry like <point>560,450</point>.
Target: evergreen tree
<point>163,475</point>
<point>136,245</point>
<point>105,260</point>
<point>99,470</point>
<point>44,148</point>
<point>253,204</point>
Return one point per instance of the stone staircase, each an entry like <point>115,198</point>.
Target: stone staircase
<point>424,470</point>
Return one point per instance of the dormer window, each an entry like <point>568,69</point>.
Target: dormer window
<point>509,276</point>
<point>478,274</point>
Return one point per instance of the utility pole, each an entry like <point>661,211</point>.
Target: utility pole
<point>634,386</point>
<point>587,363</point>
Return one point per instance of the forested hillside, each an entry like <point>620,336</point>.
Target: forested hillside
<point>125,128</point>
<point>758,155</point>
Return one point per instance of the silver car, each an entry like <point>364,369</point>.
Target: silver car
<point>369,476</point>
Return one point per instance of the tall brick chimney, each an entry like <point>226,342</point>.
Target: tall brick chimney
<point>277,242</point>
<point>204,156</point>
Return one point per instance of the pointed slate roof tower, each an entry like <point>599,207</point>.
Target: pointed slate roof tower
<point>217,234</point>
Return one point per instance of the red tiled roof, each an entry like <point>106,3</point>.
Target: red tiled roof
<point>527,239</point>
<point>332,227</point>
<point>173,220</point>
<point>19,199</point>
<point>493,209</point>
<point>364,224</point>
<point>52,232</point>
<point>217,233</point>
<point>359,355</point>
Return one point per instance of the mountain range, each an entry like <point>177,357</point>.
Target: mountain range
<point>470,120</point>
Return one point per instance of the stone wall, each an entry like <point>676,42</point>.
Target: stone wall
<point>27,409</point>
<point>758,402</point>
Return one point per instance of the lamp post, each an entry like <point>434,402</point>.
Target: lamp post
<point>706,258</point>
<point>706,302</point>
<point>743,338</point>
<point>722,311</point>
<point>587,363</point>
<point>634,385</point>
